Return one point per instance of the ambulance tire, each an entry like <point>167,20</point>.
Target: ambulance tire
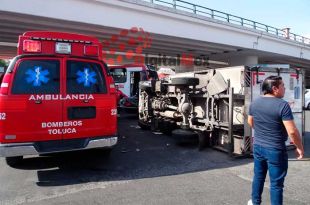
<point>308,107</point>
<point>185,81</point>
<point>106,152</point>
<point>13,161</point>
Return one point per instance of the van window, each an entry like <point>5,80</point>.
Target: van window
<point>37,77</point>
<point>119,75</point>
<point>85,77</point>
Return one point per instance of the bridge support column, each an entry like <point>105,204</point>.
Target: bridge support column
<point>243,60</point>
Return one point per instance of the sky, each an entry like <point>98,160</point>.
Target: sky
<point>293,14</point>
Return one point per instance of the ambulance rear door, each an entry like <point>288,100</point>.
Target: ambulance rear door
<point>89,108</point>
<point>32,106</point>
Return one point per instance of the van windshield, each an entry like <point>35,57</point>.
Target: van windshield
<point>119,75</point>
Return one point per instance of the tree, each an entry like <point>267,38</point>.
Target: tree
<point>3,63</point>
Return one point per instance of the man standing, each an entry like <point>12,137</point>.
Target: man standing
<point>272,121</point>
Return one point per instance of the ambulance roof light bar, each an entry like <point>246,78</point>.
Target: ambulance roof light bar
<point>61,36</point>
<point>60,40</point>
<point>50,42</point>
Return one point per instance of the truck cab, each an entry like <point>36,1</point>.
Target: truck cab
<point>56,96</point>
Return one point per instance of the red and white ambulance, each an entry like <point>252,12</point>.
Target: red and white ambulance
<point>56,96</point>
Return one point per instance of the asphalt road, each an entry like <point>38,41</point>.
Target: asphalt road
<point>144,168</point>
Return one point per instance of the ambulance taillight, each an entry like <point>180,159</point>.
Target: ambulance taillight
<point>111,84</point>
<point>4,89</point>
<point>31,46</point>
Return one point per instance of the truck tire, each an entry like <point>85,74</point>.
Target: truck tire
<point>185,81</point>
<point>144,87</point>
<point>183,136</point>
<point>148,88</point>
<point>143,125</point>
<point>204,140</point>
<point>13,161</point>
<point>166,127</point>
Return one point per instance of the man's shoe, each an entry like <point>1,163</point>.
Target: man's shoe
<point>250,202</point>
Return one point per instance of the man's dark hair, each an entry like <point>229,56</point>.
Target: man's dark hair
<point>269,82</point>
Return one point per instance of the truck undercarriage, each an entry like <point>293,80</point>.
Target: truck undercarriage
<point>196,106</point>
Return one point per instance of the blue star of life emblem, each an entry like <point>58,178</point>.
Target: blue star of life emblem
<point>37,76</point>
<point>86,77</point>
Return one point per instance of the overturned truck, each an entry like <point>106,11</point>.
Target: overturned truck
<point>211,106</point>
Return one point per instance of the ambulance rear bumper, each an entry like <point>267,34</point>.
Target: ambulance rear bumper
<point>36,148</point>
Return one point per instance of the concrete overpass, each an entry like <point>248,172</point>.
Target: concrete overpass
<point>172,27</point>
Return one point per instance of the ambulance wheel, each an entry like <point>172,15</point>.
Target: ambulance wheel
<point>106,152</point>
<point>13,161</point>
<point>185,81</point>
<point>308,107</point>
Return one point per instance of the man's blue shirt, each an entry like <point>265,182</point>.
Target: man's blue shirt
<point>268,114</point>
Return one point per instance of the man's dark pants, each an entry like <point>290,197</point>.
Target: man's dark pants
<point>276,161</point>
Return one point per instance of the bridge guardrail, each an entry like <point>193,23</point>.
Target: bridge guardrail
<point>222,16</point>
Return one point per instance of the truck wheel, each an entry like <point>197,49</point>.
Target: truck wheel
<point>13,161</point>
<point>144,87</point>
<point>185,81</point>
<point>143,125</point>
<point>204,140</point>
<point>182,136</point>
<point>148,88</point>
<point>165,127</point>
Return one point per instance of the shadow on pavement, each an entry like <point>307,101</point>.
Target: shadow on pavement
<point>139,154</point>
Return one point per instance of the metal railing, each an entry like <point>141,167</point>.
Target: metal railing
<point>222,16</point>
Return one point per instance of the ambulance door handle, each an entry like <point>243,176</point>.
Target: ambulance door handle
<point>85,101</point>
<point>38,101</point>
